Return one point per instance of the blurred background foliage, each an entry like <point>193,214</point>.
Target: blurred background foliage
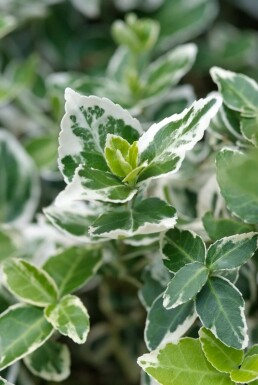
<point>47,45</point>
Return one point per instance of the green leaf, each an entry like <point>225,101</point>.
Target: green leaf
<point>17,205</point>
<point>218,228</point>
<point>73,267</point>
<point>186,283</point>
<point>50,362</point>
<point>91,184</point>
<point>240,93</point>
<point>84,130</point>
<point>181,21</point>
<point>248,371</point>
<point>70,318</point>
<point>180,247</point>
<point>74,219</point>
<point>252,350</point>
<point>23,329</point>
<point>29,283</point>
<point>168,69</point>
<point>232,252</point>
<point>236,175</point>
<point>164,144</point>
<point>221,356</point>
<point>220,307</point>
<point>125,222</point>
<point>249,129</point>
<point>182,363</point>
<point>7,247</point>
<point>163,326</point>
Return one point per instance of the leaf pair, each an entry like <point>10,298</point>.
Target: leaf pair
<point>219,304</point>
<point>51,308</point>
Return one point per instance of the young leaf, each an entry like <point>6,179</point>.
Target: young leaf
<point>167,70</point>
<point>50,362</point>
<point>232,252</point>
<point>248,371</point>
<point>71,268</point>
<point>240,93</point>
<point>84,128</point>
<point>17,205</point>
<point>218,228</point>
<point>70,318</point>
<point>148,216</point>
<point>23,329</point>
<point>180,247</point>
<point>186,283</point>
<point>236,175</point>
<point>164,145</point>
<point>91,185</point>
<point>182,363</point>
<point>29,283</point>
<point>221,356</point>
<point>220,307</point>
<point>163,326</point>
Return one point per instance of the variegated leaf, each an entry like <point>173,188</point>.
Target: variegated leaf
<point>232,252</point>
<point>163,326</point>
<point>23,329</point>
<point>148,216</point>
<point>91,185</point>
<point>70,318</point>
<point>186,283</point>
<point>220,307</point>
<point>164,145</point>
<point>84,128</point>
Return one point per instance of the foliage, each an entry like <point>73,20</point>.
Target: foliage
<point>140,217</point>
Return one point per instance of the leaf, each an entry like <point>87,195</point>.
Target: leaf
<point>182,363</point>
<point>232,252</point>
<point>236,175</point>
<point>17,205</point>
<point>73,267</point>
<point>50,362</point>
<point>163,326</point>
<point>168,69</point>
<point>91,185</point>
<point>186,283</point>
<point>23,329</point>
<point>248,371</point>
<point>249,129</point>
<point>223,227</point>
<point>74,219</point>
<point>220,307</point>
<point>70,318</point>
<point>181,21</point>
<point>180,247</point>
<point>29,283</point>
<point>7,246</point>
<point>164,145</point>
<point>139,219</point>
<point>219,355</point>
<point>240,93</point>
<point>84,128</point>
